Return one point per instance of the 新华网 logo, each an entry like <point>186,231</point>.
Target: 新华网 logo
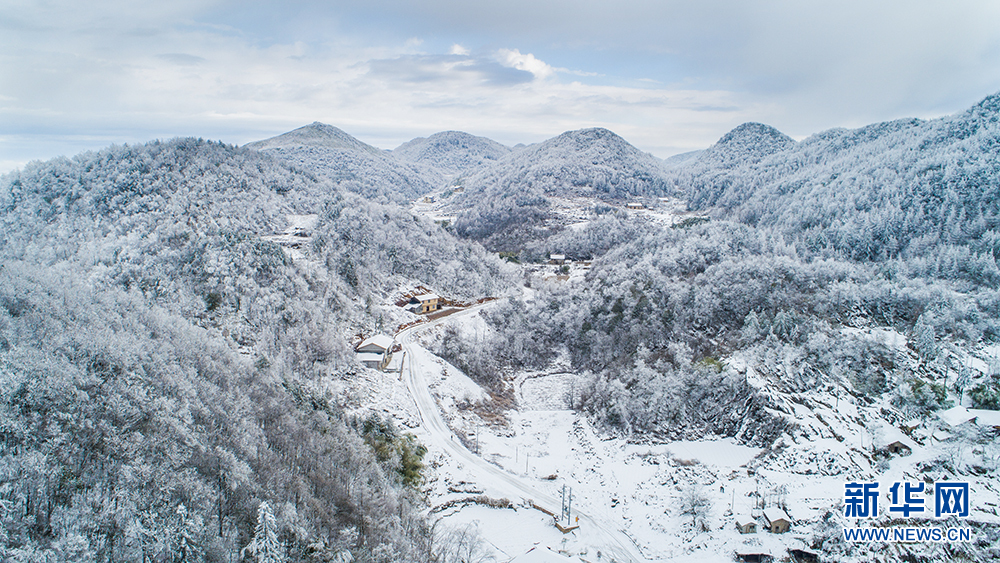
<point>907,500</point>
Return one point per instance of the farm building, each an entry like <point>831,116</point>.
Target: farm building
<point>375,351</point>
<point>428,302</point>
<point>746,524</point>
<point>776,520</point>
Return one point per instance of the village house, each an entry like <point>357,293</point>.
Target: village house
<point>635,205</point>
<point>746,524</point>
<point>986,418</point>
<point>428,302</point>
<point>803,556</point>
<point>557,259</point>
<point>899,447</point>
<point>956,416</point>
<point>375,351</point>
<point>776,520</point>
<point>896,442</point>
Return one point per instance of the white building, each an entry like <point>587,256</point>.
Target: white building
<point>375,351</point>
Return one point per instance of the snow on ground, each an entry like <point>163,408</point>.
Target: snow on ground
<point>448,383</point>
<point>880,335</point>
<point>372,391</point>
<point>514,532</point>
<point>638,486</point>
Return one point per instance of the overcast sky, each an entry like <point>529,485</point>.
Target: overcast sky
<point>669,76</point>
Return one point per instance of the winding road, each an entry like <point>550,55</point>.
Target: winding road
<point>601,535</point>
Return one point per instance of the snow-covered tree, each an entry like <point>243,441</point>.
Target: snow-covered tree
<point>264,547</point>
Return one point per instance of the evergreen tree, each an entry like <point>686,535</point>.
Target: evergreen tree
<point>264,547</point>
<point>185,547</point>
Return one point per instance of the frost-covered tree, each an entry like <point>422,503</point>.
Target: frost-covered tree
<point>184,545</point>
<point>694,503</point>
<point>264,547</point>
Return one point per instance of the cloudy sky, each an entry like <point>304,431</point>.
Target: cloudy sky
<point>670,76</point>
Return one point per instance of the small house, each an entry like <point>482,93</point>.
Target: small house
<point>776,520</point>
<point>986,418</point>
<point>428,302</point>
<point>371,360</point>
<point>956,416</point>
<point>557,259</point>
<point>803,556</point>
<point>899,448</point>
<point>375,351</point>
<point>746,524</point>
<point>635,205</point>
<point>896,441</point>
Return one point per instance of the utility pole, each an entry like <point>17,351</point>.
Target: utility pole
<point>567,501</point>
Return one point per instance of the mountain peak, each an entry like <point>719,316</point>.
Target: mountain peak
<point>590,135</point>
<point>316,134</point>
<point>757,134</point>
<point>452,152</point>
<point>747,144</point>
<point>989,104</point>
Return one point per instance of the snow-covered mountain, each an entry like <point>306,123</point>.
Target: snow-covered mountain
<point>683,159</point>
<point>452,152</point>
<point>176,320</point>
<point>350,164</point>
<point>898,188</point>
<point>169,359</point>
<point>315,134</point>
<point>508,202</point>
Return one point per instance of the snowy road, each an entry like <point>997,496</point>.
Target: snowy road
<point>601,535</point>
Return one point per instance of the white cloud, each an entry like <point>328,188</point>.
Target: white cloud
<point>668,75</point>
<point>514,59</point>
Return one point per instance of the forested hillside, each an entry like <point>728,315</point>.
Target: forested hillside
<point>927,192</point>
<point>507,204</point>
<point>745,326</point>
<point>452,152</point>
<point>163,365</point>
<point>350,164</point>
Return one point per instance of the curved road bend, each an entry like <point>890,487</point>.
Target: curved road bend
<point>612,539</point>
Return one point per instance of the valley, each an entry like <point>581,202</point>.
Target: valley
<point>407,355</point>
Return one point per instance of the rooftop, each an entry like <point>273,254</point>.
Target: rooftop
<point>774,513</point>
<point>381,340</point>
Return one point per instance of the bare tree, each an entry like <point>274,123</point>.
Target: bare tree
<point>695,503</point>
<point>463,545</point>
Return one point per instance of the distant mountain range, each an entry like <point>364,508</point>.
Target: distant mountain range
<point>872,193</point>
<point>899,188</point>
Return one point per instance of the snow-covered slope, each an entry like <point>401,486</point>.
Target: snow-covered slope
<point>683,159</point>
<point>350,164</point>
<point>509,201</point>
<point>452,152</point>
<point>315,134</point>
<point>889,189</point>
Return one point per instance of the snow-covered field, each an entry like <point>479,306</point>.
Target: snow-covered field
<point>633,488</point>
